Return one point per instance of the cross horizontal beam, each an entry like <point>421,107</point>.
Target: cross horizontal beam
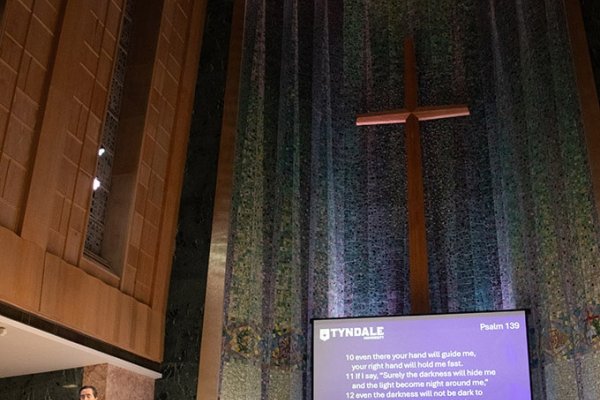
<point>422,113</point>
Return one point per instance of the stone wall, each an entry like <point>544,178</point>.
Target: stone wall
<point>56,385</point>
<point>188,277</point>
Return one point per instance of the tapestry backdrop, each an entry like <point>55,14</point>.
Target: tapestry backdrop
<point>319,222</point>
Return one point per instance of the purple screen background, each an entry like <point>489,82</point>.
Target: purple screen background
<point>504,351</point>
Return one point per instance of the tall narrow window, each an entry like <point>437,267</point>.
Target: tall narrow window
<point>118,155</point>
<point>106,152</point>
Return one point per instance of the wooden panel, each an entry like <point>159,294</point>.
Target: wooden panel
<point>155,341</point>
<point>67,294</point>
<point>109,304</point>
<point>21,265</point>
<point>162,159</point>
<point>85,303</point>
<point>46,285</point>
<point>54,125</point>
<point>41,271</point>
<point>126,322</point>
<point>141,330</point>
<point>26,50</point>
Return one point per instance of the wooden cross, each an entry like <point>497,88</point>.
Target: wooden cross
<point>411,115</point>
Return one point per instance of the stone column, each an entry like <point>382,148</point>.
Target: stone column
<point>114,383</point>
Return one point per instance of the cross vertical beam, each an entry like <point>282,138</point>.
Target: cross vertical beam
<point>411,115</point>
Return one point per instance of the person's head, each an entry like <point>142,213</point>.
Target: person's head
<point>88,392</point>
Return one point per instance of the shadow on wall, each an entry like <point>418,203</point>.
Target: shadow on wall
<point>591,18</point>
